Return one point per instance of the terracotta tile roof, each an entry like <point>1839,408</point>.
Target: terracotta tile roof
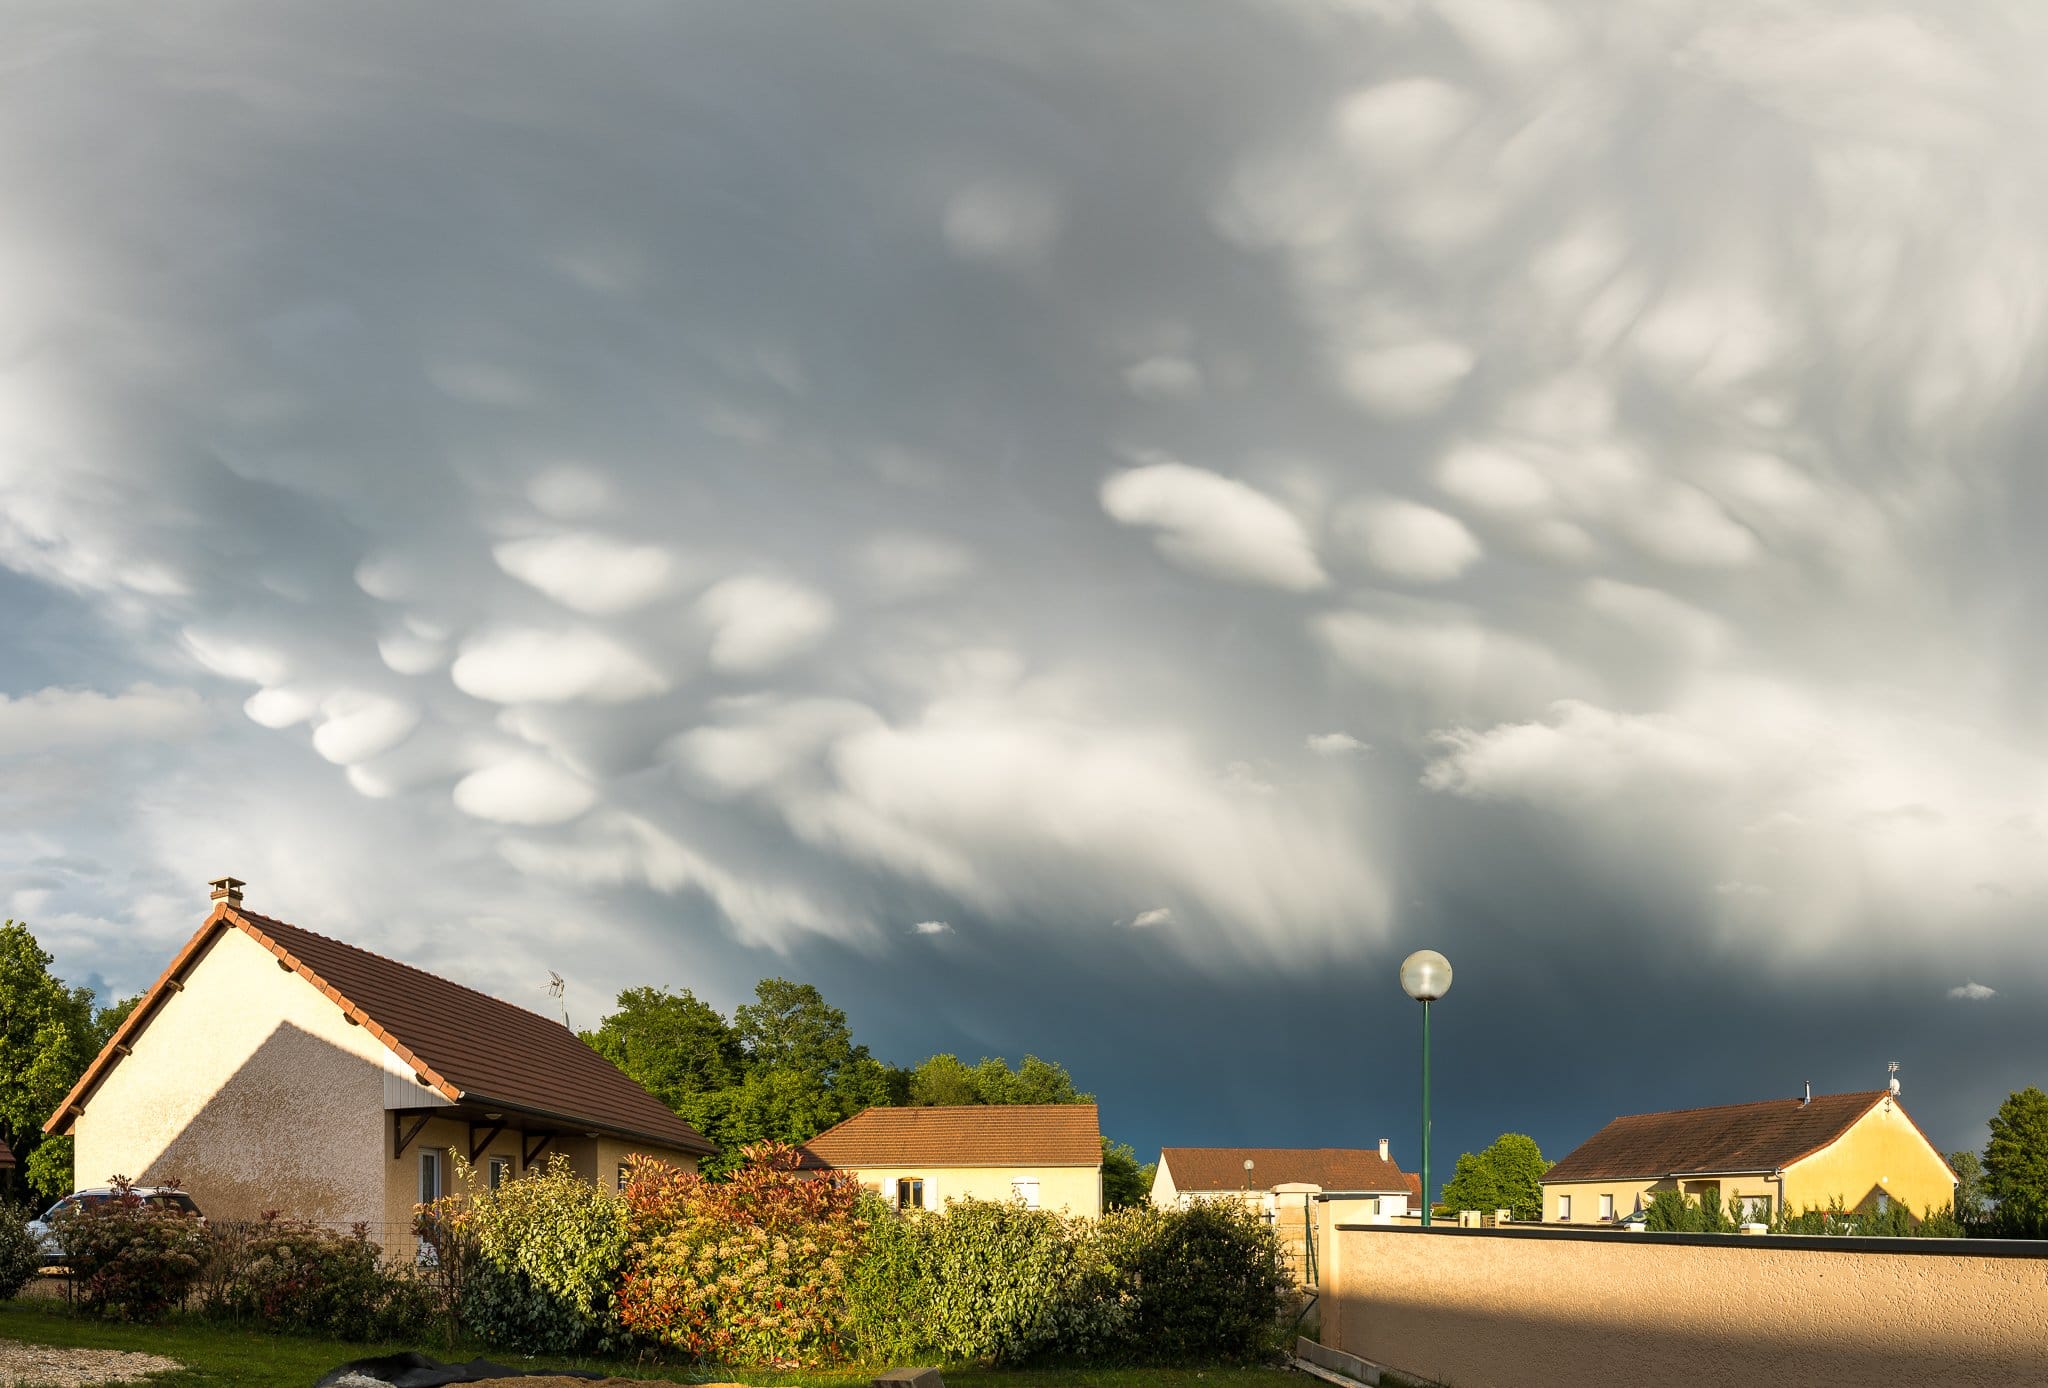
<point>6,1157</point>
<point>969,1135</point>
<point>1332,1168</point>
<point>1763,1136</point>
<point>469,1047</point>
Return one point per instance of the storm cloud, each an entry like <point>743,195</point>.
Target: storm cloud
<point>1060,523</point>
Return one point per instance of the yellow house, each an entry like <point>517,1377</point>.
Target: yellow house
<point>1045,1156</point>
<point>270,1068</point>
<point>1796,1154</point>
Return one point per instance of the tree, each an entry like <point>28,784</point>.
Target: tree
<point>47,1037</point>
<point>2016,1160</point>
<point>1125,1184</point>
<point>790,1026</point>
<point>944,1080</point>
<point>1969,1169</point>
<point>674,1044</point>
<point>1507,1175</point>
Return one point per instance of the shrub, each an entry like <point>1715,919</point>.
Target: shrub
<point>131,1258</point>
<point>748,1270</point>
<point>19,1256</point>
<point>532,1264</point>
<point>1204,1283</point>
<point>289,1274</point>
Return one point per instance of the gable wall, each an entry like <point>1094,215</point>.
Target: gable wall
<point>1883,1151</point>
<point>250,1089</point>
<point>1073,1190</point>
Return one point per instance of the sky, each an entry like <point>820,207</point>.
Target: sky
<point>1081,528</point>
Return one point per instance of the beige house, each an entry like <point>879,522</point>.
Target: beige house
<point>271,1068</point>
<point>1780,1154</point>
<point>1046,1156</point>
<point>1360,1180</point>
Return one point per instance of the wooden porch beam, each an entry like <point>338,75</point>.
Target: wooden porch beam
<point>529,1158</point>
<point>477,1145</point>
<point>401,1136</point>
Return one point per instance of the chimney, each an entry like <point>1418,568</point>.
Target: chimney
<point>228,890</point>
<point>1383,1149</point>
<point>1809,1095</point>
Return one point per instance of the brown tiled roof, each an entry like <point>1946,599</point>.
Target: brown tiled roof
<point>969,1135</point>
<point>1332,1168</point>
<point>6,1157</point>
<point>1759,1137</point>
<point>469,1047</point>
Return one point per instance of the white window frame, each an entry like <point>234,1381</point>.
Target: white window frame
<point>500,1172</point>
<point>1025,1189</point>
<point>1607,1208</point>
<point>430,1160</point>
<point>1564,1209</point>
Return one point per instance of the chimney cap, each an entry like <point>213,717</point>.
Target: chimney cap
<point>228,889</point>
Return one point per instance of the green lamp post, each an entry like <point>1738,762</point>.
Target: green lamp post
<point>1425,977</point>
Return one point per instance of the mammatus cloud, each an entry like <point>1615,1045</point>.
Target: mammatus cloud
<point>760,623</point>
<point>1972,992</point>
<point>1406,541</point>
<point>1215,525</point>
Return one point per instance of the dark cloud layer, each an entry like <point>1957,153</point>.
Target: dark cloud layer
<point>1185,505</point>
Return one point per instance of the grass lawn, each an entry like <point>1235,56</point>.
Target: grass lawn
<point>219,1357</point>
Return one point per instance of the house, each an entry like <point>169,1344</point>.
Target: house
<point>270,1068</point>
<point>1764,1157</point>
<point>1367,1182</point>
<point>1048,1156</point>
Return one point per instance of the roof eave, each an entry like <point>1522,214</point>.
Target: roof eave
<point>702,1146</point>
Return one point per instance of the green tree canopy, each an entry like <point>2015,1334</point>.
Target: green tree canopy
<point>790,1026</point>
<point>1125,1184</point>
<point>2016,1160</point>
<point>944,1080</point>
<point>1507,1175</point>
<point>1969,1169</point>
<point>48,1035</point>
<point>673,1043</point>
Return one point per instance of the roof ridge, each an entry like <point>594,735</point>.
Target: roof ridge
<point>1753,1103</point>
<point>257,918</point>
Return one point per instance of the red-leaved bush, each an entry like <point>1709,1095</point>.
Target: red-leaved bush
<point>750,1270</point>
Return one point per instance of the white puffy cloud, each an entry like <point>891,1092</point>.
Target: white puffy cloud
<point>280,708</point>
<point>1493,479</point>
<point>54,718</point>
<point>1451,664</point>
<point>524,789</point>
<point>1407,541</point>
<point>1400,380</point>
<point>759,622</point>
<point>517,665</point>
<point>1972,992</point>
<point>932,928</point>
<point>589,572</point>
<point>1337,744</point>
<point>1215,525</point>
<point>236,658</point>
<point>1158,915</point>
<point>356,726</point>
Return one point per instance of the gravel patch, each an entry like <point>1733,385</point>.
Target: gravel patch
<point>59,1366</point>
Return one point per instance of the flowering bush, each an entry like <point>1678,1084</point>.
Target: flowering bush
<point>130,1257</point>
<point>291,1274</point>
<point>750,1270</point>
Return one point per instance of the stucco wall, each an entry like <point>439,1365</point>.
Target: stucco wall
<point>252,1090</point>
<point>1071,1189</point>
<point>1536,1308</point>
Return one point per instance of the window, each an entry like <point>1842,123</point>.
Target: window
<point>1026,1190</point>
<point>624,1176</point>
<point>430,1175</point>
<point>1884,1202</point>
<point>1756,1209</point>
<point>910,1194</point>
<point>1564,1209</point>
<point>501,1171</point>
<point>1607,1207</point>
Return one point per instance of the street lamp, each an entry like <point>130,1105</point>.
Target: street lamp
<point>1425,977</point>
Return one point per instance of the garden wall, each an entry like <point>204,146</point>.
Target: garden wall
<point>1530,1308</point>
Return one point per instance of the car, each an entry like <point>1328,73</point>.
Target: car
<point>44,1228</point>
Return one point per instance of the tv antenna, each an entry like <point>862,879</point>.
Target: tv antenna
<point>1893,1087</point>
<point>558,990</point>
